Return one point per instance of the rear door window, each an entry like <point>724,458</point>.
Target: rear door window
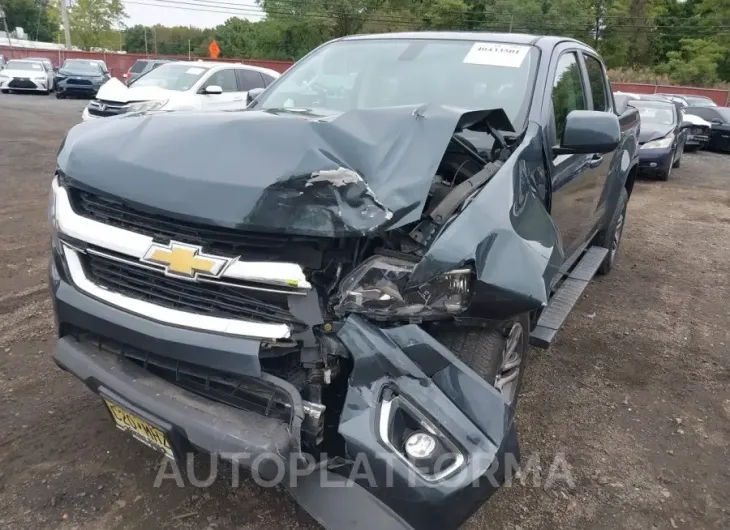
<point>138,67</point>
<point>250,79</point>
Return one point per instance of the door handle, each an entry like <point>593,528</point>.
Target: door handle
<point>595,161</point>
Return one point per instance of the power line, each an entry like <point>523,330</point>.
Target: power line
<point>233,8</point>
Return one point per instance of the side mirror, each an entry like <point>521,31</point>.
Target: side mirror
<point>253,94</point>
<point>213,89</point>
<point>590,131</point>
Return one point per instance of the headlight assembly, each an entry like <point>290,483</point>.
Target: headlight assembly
<point>659,144</point>
<point>143,106</point>
<point>378,288</point>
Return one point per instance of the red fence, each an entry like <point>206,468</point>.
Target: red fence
<point>721,97</point>
<point>119,63</point>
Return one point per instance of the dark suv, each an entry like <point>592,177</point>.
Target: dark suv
<point>141,67</point>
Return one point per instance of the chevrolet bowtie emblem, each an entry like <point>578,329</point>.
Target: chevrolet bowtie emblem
<point>185,261</point>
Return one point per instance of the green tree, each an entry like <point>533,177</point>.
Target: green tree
<point>696,63</point>
<point>38,18</point>
<point>93,22</point>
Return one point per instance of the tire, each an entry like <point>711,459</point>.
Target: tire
<point>5,91</point>
<point>678,161</point>
<point>484,351</point>
<point>59,95</point>
<point>691,148</point>
<point>611,237</point>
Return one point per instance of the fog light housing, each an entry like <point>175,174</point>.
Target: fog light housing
<point>416,439</point>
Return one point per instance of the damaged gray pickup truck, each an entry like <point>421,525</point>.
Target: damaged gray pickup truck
<point>337,287</point>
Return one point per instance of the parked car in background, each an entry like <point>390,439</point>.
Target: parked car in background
<point>719,118</point>
<point>81,78</point>
<point>662,136</point>
<point>22,75</point>
<point>699,101</point>
<point>698,134</point>
<point>141,67</point>
<point>49,68</point>
<point>346,273</point>
<point>181,85</point>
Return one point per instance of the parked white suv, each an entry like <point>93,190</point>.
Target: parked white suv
<point>181,86</point>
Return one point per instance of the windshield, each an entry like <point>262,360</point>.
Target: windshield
<point>82,67</point>
<point>24,65</point>
<point>171,76</point>
<point>655,112</point>
<point>358,74</point>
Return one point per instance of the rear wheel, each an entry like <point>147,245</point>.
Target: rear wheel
<point>496,355</point>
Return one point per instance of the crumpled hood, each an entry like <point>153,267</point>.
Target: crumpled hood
<point>115,90</point>
<point>653,131</point>
<point>65,72</point>
<point>696,120</point>
<point>354,173</point>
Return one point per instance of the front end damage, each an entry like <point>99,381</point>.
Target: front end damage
<point>340,258</point>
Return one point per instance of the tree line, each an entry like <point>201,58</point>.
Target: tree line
<point>684,42</point>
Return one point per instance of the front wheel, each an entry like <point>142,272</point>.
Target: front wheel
<point>497,355</point>
<point>611,237</point>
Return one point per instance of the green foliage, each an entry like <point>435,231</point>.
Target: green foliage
<point>39,19</point>
<point>685,41</point>
<point>93,22</point>
<point>695,63</point>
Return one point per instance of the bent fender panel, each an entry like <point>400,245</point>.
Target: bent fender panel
<point>508,235</point>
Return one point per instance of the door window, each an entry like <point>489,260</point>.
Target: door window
<point>250,79</point>
<point>226,79</point>
<point>568,93</point>
<point>599,91</point>
<point>267,79</point>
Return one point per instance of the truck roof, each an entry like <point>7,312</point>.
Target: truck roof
<point>506,38</point>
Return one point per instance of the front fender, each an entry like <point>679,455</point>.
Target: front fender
<point>507,234</point>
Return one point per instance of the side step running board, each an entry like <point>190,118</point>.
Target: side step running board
<point>566,297</point>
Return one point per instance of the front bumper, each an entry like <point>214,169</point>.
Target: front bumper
<point>24,85</point>
<point>338,493</point>
<point>654,160</point>
<point>65,88</point>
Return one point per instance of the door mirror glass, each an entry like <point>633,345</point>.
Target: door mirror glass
<point>213,89</point>
<point>253,94</point>
<point>590,131</point>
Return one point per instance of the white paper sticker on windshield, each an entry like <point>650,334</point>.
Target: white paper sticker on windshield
<point>195,71</point>
<point>36,67</point>
<point>496,54</point>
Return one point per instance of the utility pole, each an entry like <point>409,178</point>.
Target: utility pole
<point>511,21</point>
<point>66,27</point>
<point>5,24</point>
<point>154,34</point>
<point>188,49</point>
<point>145,41</point>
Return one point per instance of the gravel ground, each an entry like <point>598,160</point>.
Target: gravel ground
<point>624,423</point>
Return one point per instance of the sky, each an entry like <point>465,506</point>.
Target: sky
<point>198,13</point>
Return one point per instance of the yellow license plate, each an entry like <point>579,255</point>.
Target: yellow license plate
<point>142,430</point>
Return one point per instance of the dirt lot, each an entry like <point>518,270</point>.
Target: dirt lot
<point>635,396</point>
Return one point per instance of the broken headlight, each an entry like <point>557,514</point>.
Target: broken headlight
<point>379,288</point>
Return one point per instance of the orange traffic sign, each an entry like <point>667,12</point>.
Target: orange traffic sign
<point>214,49</point>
